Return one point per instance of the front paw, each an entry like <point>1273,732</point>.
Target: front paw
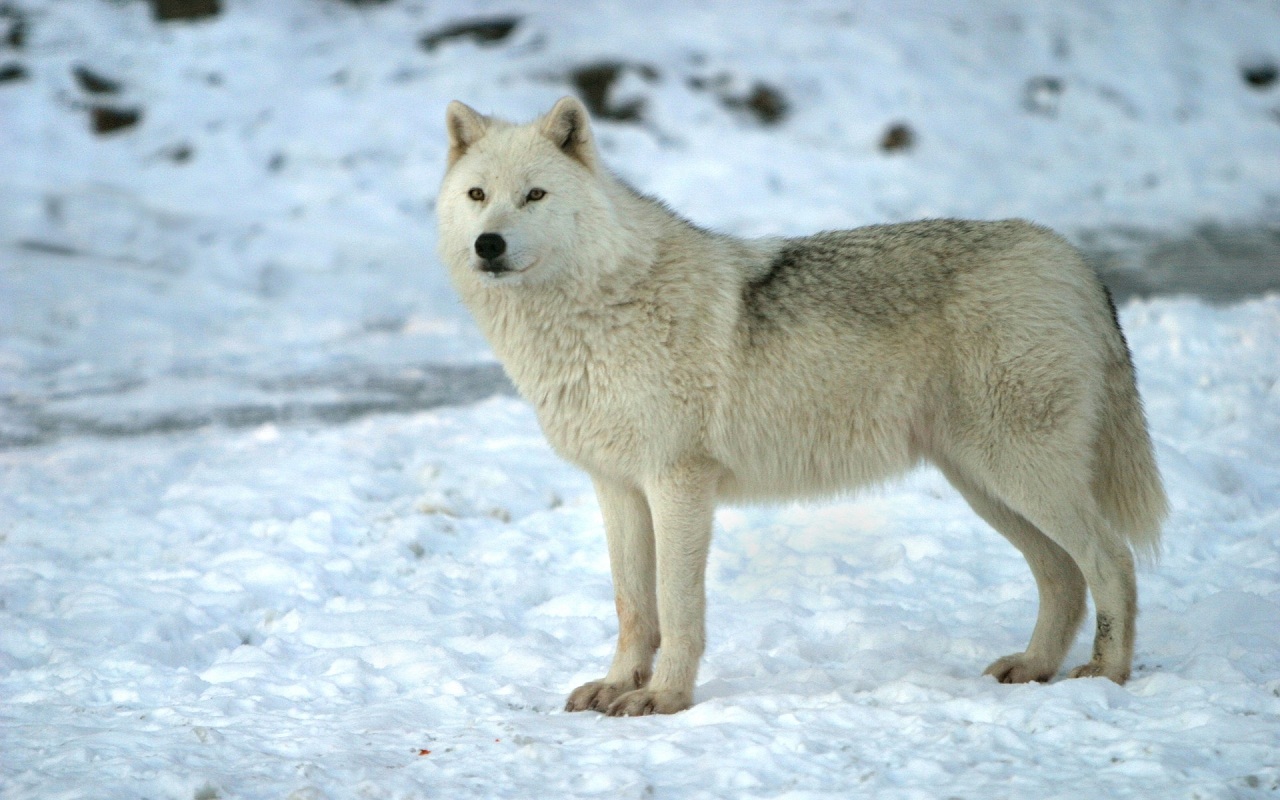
<point>596,695</point>
<point>643,702</point>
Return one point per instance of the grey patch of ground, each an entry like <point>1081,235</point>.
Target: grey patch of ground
<point>1217,263</point>
<point>288,400</point>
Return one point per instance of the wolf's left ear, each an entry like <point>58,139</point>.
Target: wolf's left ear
<point>466,127</point>
<point>568,125</point>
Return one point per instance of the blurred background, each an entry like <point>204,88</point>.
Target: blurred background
<point>221,211</point>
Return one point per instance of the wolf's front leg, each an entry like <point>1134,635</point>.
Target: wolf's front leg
<point>682,503</point>
<point>629,529</point>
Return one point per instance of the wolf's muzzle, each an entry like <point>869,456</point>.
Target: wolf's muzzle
<point>490,245</point>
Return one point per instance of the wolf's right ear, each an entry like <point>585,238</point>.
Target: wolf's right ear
<point>466,127</point>
<point>569,127</point>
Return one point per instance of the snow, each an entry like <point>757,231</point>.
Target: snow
<point>223,575</point>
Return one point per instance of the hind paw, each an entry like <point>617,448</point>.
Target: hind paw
<point>1095,670</point>
<point>1020,668</point>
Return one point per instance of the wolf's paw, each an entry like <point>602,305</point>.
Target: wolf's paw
<point>1095,670</point>
<point>596,695</point>
<point>1020,668</point>
<point>643,702</point>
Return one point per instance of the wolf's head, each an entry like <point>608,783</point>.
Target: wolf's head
<point>522,202</point>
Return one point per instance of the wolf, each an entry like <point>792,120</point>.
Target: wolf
<point>682,368</point>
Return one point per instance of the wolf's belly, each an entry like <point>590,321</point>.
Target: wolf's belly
<point>811,444</point>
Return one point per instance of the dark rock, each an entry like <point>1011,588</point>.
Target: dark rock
<point>14,24</point>
<point>485,32</point>
<point>898,138</point>
<point>166,10</point>
<point>109,120</point>
<point>12,72</point>
<point>594,83</point>
<point>765,102</point>
<point>94,83</point>
<point>1260,76</point>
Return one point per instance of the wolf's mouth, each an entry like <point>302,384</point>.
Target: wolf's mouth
<point>501,267</point>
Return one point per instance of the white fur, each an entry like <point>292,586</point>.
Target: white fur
<point>682,368</point>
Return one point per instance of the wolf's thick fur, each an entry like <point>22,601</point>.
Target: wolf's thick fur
<point>681,368</point>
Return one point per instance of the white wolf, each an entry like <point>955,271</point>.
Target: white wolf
<point>681,368</point>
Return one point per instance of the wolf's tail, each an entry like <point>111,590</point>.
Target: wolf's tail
<point>1126,482</point>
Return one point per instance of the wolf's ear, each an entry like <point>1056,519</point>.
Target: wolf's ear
<point>568,125</point>
<point>466,127</point>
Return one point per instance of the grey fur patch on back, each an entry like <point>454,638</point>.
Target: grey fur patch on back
<point>877,275</point>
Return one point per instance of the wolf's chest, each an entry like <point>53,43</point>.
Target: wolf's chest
<point>601,384</point>
<point>607,417</point>
<point>601,422</point>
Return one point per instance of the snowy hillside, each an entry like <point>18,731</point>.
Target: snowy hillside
<point>245,553</point>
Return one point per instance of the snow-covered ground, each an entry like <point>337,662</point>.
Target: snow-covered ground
<point>395,605</point>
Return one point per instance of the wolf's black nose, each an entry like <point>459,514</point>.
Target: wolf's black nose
<point>490,245</point>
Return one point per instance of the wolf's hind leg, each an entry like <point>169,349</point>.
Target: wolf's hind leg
<point>629,530</point>
<point>1059,581</point>
<point>1064,509</point>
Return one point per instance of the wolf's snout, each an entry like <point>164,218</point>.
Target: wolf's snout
<point>490,245</point>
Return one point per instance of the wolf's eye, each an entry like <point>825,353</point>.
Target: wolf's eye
<point>476,194</point>
<point>535,195</point>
